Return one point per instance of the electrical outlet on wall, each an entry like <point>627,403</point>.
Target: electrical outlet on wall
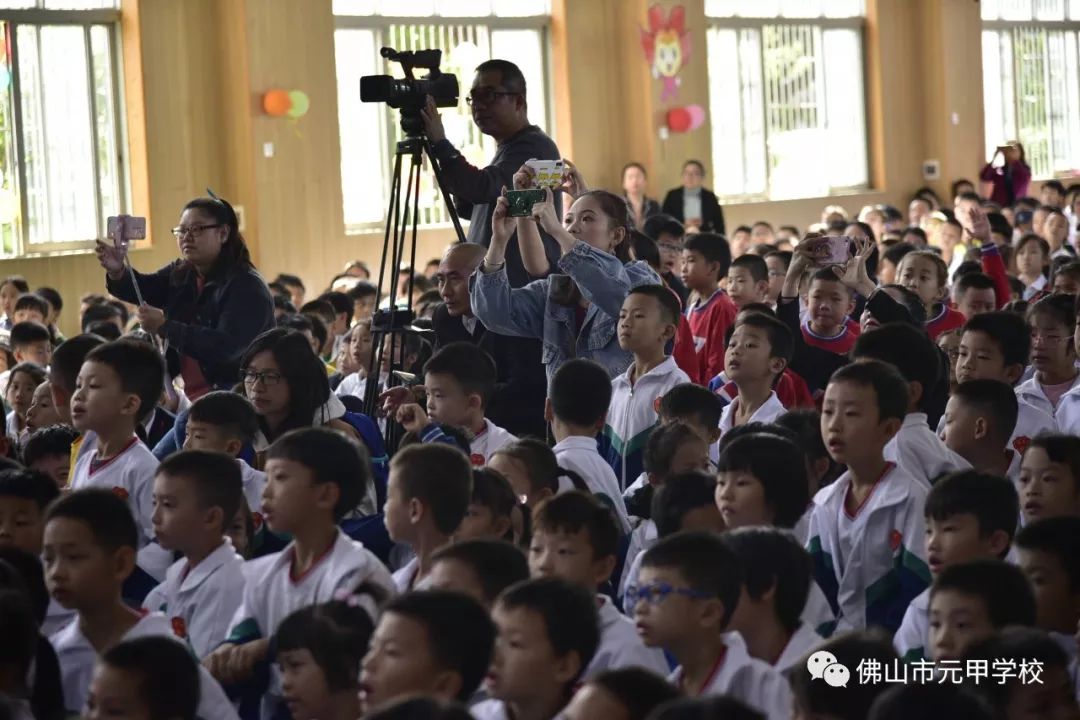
<point>931,169</point>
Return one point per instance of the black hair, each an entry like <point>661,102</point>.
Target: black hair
<point>888,385</point>
<point>966,268</point>
<point>51,296</point>
<point>1060,308</point>
<point>1060,448</point>
<point>662,446</point>
<point>670,307</point>
<point>637,689</point>
<point>692,402</point>
<point>305,323</point>
<point>662,224</point>
<point>460,632</point>
<point>332,458</point>
<point>916,231</point>
<point>468,364</point>
<point>910,301</point>
<point>105,330</point>
<point>1002,587</point>
<point>995,401</point>
<point>755,264</point>
<point>492,490</point>
<point>574,511</point>
<point>1018,644</point>
<point>510,75</point>
<point>305,373</point>
<point>168,676</point>
<point>969,195</point>
<point>362,289</point>
<point>342,304</point>
<point>47,442</point>
<point>138,366</point>
<point>784,255</point>
<point>107,517</point>
<point>19,628</point>
<point>21,574</point>
<point>282,303</point>
<point>990,498</point>
<point>817,698</point>
<point>805,425</point>
<point>931,702</point>
<point>29,484</point>
<point>896,253</point>
<point>680,494</point>
<point>24,572</point>
<point>322,309</point>
<point>540,464</point>
<point>706,708</point>
<point>580,392</point>
<point>940,268</point>
<point>1058,537</point>
<point>438,475</point>
<point>416,707</point>
<point>826,274</point>
<point>289,280</point>
<point>779,465</point>
<point>456,434</point>
<point>336,634</point>
<point>773,558</point>
<point>713,247</point>
<point>643,247</point>
<point>908,349</point>
<point>36,372</point>
<point>1055,185</point>
<point>1008,331</point>
<point>18,281</point>
<point>234,253</point>
<point>32,301</point>
<point>497,564</point>
<point>231,412</point>
<point>216,478</point>
<point>973,281</point>
<point>705,562</point>
<point>781,342</point>
<point>102,312</point>
<point>1033,238</point>
<point>569,612</point>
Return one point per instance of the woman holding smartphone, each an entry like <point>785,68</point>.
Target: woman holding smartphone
<point>1010,180</point>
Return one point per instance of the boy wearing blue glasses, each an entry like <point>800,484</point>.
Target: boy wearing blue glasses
<point>684,600</point>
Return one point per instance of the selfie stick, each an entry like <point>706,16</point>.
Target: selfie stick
<point>123,245</point>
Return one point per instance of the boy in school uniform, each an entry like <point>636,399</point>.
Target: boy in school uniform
<point>314,476</point>
<point>970,515</point>
<point>48,450</point>
<point>748,280</point>
<point>926,274</point>
<point>915,448</point>
<point>480,569</point>
<point>705,259</point>
<point>547,633</point>
<point>758,352</point>
<point>575,538</point>
<point>1054,388</point>
<point>866,528</point>
<point>979,419</point>
<point>697,408</point>
<point>647,323</point>
<point>686,595</point>
<point>1049,554</point>
<point>576,407</point>
<point>426,499</point>
<point>1049,484</point>
<point>775,585</point>
<point>30,342</point>
<point>196,496</point>
<point>89,550</point>
<point>1050,697</point>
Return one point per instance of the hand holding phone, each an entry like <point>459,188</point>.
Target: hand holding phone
<point>520,202</point>
<point>827,250</point>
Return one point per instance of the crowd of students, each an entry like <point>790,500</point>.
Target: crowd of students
<point>750,451</point>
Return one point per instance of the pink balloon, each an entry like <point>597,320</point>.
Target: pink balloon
<point>697,116</point>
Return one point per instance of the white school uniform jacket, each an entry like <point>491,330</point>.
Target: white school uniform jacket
<point>201,601</point>
<point>490,709</point>
<point>254,483</point>
<point>768,412</point>
<point>642,538</point>
<point>1067,414</point>
<point>872,565</point>
<point>580,455</point>
<point>489,441</point>
<point>803,642</point>
<point>912,640</point>
<point>620,647</point>
<point>920,452</point>
<point>1030,422</point>
<point>745,678</point>
<point>77,657</point>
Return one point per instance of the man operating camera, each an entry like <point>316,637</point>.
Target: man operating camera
<point>499,109</point>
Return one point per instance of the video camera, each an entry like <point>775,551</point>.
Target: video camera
<point>410,94</point>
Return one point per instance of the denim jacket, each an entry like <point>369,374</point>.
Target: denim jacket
<point>527,312</point>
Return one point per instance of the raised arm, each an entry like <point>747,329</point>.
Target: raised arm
<point>977,226</point>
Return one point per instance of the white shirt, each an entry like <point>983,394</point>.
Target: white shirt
<point>489,441</point>
<point>912,639</point>
<point>922,453</point>
<point>405,577</point>
<point>767,413</point>
<point>254,483</point>
<point>803,642</point>
<point>491,709</point>
<point>620,647</point>
<point>353,384</point>
<point>580,455</point>
<point>1031,422</point>
<point>642,538</point>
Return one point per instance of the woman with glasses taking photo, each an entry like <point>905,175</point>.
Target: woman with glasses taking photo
<point>208,305</point>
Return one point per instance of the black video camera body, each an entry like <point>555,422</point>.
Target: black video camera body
<point>410,93</point>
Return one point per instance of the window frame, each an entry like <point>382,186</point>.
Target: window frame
<point>381,24</point>
<point>856,23</point>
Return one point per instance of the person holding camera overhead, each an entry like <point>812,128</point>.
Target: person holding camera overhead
<point>1011,178</point>
<point>208,305</point>
<point>499,109</point>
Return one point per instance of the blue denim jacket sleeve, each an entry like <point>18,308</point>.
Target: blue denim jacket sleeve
<point>506,310</point>
<point>602,278</point>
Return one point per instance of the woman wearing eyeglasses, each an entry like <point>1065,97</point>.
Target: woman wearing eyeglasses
<point>208,305</point>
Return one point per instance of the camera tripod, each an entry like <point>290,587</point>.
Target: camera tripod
<point>389,327</point>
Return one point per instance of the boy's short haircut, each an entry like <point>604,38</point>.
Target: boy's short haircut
<point>48,442</point>
<point>897,252</point>
<point>1018,644</point>
<point>168,676</point>
<point>784,255</point>
<point>1056,186</point>
<point>694,403</point>
<point>805,423</point>
<point>105,330</point>
<point>994,400</point>
<point>973,281</point>
<point>1071,269</point>
<point>659,225</point>
<point>663,444</point>
<point>912,303</point>
<point>931,701</point>
<point>439,476</point>
<point>636,689</point>
<point>705,562</point>
<point>307,322</point>
<point>909,349</point>
<point>1060,448</point>
<point>497,564</point>
<point>940,267</point>
<point>1003,588</point>
<point>460,633</point>
<point>101,312</point>
<point>781,344</point>
<point>779,465</point>
<point>755,307</point>
<point>103,512</point>
<point>679,495</point>
<point>231,412</point>
<point>290,280</point>
<point>216,478</point>
<point>644,248</point>
<point>28,331</point>
<point>282,302</point>
<point>888,385</point>
<point>321,309</point>
<point>331,458</point>
<point>138,366</point>
<point>773,559</point>
<point>990,498</point>
<point>31,301</point>
<point>336,634</point>
<point>1008,331</point>
<point>29,484</point>
<point>917,232</point>
<point>714,248</point>
<point>1059,308</point>
<point>574,511</point>
<point>1058,537</point>
<point>826,274</point>
<point>457,434</point>
<point>966,268</point>
<point>51,296</point>
<point>468,364</point>
<point>342,304</point>
<point>362,289</point>
<point>819,699</point>
<point>580,393</point>
<point>754,264</point>
<point>670,307</point>
<point>569,613</point>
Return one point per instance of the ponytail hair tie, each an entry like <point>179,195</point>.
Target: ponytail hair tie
<point>363,602</point>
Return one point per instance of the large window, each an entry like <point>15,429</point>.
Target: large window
<point>468,32</point>
<point>786,98</point>
<point>1031,80</point>
<point>62,169</point>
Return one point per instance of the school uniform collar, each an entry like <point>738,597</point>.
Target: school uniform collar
<point>1032,388</point>
<point>891,489</point>
<point>332,409</point>
<point>198,574</point>
<point>734,656</point>
<point>662,370</point>
<point>576,442</point>
<point>285,557</point>
<point>768,408</point>
<point>608,614</point>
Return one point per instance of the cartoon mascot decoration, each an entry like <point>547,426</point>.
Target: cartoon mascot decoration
<point>667,47</point>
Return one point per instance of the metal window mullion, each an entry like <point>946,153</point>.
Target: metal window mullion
<point>38,16</point>
<point>495,22</point>
<point>95,160</point>
<point>123,177</point>
<point>44,133</point>
<point>22,238</point>
<point>764,112</point>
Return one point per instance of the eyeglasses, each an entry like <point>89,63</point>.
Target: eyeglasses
<point>659,592</point>
<point>269,378</point>
<point>1049,340</point>
<point>777,273</point>
<point>193,231</point>
<point>485,96</point>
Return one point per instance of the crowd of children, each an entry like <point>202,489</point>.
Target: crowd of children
<point>861,447</point>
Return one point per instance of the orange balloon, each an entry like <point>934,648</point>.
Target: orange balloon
<point>276,103</point>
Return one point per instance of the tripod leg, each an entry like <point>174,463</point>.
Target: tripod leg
<point>450,209</point>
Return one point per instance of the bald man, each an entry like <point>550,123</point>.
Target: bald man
<point>521,383</point>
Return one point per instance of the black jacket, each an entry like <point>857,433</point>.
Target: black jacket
<point>521,382</point>
<point>712,217</point>
<point>215,326</point>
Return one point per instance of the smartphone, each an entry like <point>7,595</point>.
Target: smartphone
<point>839,250</point>
<point>124,228</point>
<point>521,201</point>
<point>549,173</point>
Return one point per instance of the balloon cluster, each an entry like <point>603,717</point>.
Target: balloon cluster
<point>286,103</point>
<point>684,119</point>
